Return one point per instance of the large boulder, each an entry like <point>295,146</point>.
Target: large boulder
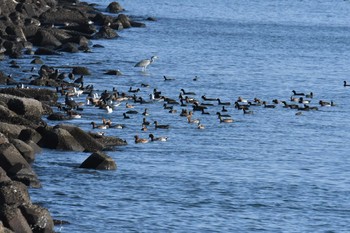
<point>106,32</point>
<point>26,151</point>
<point>26,107</point>
<point>124,20</point>
<point>29,134</point>
<point>13,219</point>
<point>16,167</point>
<point>3,176</point>
<point>85,139</point>
<point>38,218</point>
<point>114,7</point>
<point>61,15</point>
<point>11,130</point>
<point>58,138</point>
<point>80,70</point>
<point>46,38</point>
<point>99,161</point>
<point>13,193</point>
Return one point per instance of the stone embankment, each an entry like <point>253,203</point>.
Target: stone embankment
<point>45,27</point>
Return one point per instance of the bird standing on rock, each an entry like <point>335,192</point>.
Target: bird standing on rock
<point>146,62</point>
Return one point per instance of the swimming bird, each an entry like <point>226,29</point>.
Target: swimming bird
<point>145,112</point>
<point>295,93</point>
<point>245,111</point>
<point>167,78</point>
<point>94,126</point>
<point>240,99</point>
<point>310,95</point>
<point>303,101</point>
<point>326,104</point>
<point>146,62</point>
<point>345,84</point>
<point>225,120</point>
<point>140,140</point>
<point>222,115</point>
<point>133,90</point>
<point>222,103</point>
<point>160,126</point>
<point>126,116</point>
<point>223,109</point>
<point>208,99</point>
<point>187,93</point>
<point>200,126</point>
<point>144,122</point>
<point>268,105</point>
<point>109,109</point>
<point>161,139</point>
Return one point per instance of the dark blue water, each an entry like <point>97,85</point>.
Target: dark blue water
<point>272,171</point>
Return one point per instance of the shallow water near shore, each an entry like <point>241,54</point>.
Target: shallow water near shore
<point>271,171</point>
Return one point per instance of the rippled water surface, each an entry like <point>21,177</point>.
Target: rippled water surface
<point>271,171</point>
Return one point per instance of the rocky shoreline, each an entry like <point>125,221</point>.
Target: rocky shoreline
<point>46,27</point>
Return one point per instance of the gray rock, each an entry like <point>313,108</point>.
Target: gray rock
<point>13,193</point>
<point>29,134</point>
<point>106,33</point>
<point>39,218</point>
<point>13,219</point>
<point>85,139</point>
<point>99,161</point>
<point>26,151</point>
<point>11,130</point>
<point>124,20</point>
<point>114,7</point>
<point>81,70</point>
<point>58,138</point>
<point>3,176</point>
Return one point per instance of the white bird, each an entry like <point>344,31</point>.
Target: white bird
<point>146,62</point>
<point>109,109</point>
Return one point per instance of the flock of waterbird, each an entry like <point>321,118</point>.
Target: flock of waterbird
<point>187,104</point>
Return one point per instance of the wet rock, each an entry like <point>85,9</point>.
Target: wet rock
<point>137,24</point>
<point>103,20</point>
<point>99,161</point>
<point>151,19</point>
<point>88,29</point>
<point>45,38</point>
<point>23,106</point>
<point>24,174</point>
<point>124,20</point>
<point>69,48</point>
<point>46,51</point>
<point>13,193</point>
<point>114,7</point>
<point>36,148</point>
<point>37,61</point>
<point>3,176</point>
<point>113,72</point>
<point>16,167</point>
<point>11,130</point>
<point>14,219</point>
<point>38,218</point>
<point>106,32</point>
<point>58,138</point>
<point>29,135</point>
<point>63,16</point>
<point>58,116</point>
<point>26,151</point>
<point>3,139</point>
<point>85,139</point>
<point>81,70</point>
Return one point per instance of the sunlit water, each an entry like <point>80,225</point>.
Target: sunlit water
<point>271,171</point>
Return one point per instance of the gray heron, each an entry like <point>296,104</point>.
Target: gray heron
<point>146,62</point>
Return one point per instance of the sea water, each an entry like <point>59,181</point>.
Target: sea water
<point>270,171</point>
